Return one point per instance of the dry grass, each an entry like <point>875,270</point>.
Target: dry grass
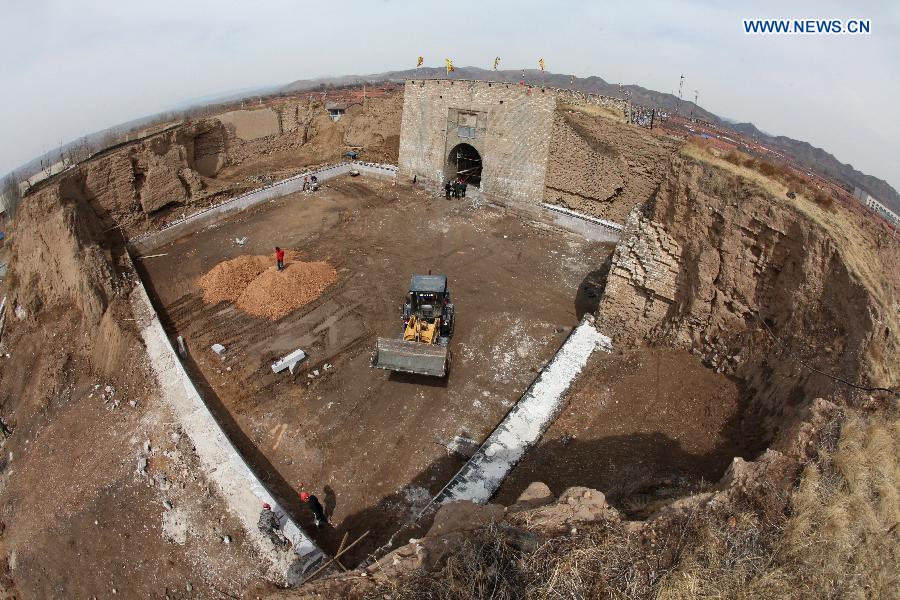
<point>594,110</point>
<point>855,239</point>
<point>843,540</point>
<point>835,537</point>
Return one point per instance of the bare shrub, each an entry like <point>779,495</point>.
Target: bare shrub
<point>766,168</point>
<point>9,194</point>
<point>823,199</point>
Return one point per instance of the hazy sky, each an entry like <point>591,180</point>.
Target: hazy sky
<point>70,68</point>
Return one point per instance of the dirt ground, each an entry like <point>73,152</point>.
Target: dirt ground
<point>642,426</point>
<point>79,519</point>
<point>369,443</point>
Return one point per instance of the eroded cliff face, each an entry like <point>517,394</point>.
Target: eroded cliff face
<point>56,260</point>
<point>134,187</point>
<point>173,168</point>
<point>754,283</point>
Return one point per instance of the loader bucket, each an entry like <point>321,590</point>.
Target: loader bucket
<point>410,357</point>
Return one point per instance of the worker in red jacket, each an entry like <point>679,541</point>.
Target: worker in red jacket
<point>279,258</point>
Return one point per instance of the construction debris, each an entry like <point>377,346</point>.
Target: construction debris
<point>219,349</point>
<point>289,362</point>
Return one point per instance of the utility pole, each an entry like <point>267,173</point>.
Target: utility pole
<point>680,86</point>
<point>696,95</point>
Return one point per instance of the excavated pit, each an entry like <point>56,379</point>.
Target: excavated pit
<point>643,425</point>
<point>371,445</point>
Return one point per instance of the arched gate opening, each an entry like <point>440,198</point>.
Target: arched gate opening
<point>464,163</point>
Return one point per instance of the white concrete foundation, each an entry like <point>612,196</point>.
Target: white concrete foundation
<point>223,465</point>
<point>523,426</point>
<point>592,228</point>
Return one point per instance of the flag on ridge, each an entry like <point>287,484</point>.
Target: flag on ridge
<point>496,62</point>
<point>541,63</point>
<point>450,68</point>
<point>420,61</point>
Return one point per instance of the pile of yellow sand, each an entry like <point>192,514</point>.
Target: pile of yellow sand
<point>257,288</point>
<point>226,281</point>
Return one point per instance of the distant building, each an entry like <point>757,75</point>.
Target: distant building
<point>872,203</point>
<point>336,110</point>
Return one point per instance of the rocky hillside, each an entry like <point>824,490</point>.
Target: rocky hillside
<point>824,162</point>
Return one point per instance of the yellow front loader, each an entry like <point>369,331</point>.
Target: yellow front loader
<point>427,327</point>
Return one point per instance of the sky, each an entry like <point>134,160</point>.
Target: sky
<point>73,67</point>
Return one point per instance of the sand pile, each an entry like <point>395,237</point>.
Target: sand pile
<point>274,294</point>
<point>226,281</point>
<point>257,288</point>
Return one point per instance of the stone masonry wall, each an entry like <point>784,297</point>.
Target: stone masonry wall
<point>512,134</point>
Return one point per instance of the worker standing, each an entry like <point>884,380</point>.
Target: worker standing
<point>279,258</point>
<point>448,188</point>
<point>316,507</point>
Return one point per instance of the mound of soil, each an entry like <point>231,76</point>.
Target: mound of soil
<point>258,289</point>
<point>227,280</point>
<point>276,293</point>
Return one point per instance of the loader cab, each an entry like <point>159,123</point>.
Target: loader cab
<point>428,294</point>
<point>429,298</point>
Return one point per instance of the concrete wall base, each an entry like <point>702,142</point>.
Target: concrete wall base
<point>222,464</point>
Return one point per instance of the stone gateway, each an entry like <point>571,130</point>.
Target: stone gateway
<point>495,136</point>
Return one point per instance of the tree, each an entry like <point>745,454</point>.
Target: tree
<point>9,194</point>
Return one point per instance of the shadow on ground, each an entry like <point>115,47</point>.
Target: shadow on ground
<point>587,298</point>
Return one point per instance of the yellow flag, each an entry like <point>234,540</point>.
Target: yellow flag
<point>496,62</point>
<point>420,61</point>
<point>450,68</point>
<point>541,63</point>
